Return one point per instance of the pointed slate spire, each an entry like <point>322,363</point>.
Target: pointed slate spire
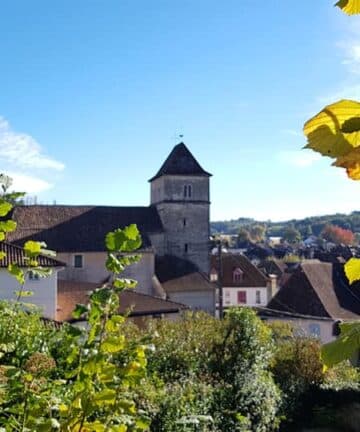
<point>181,162</point>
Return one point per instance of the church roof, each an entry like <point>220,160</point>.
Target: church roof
<point>80,228</point>
<point>181,162</point>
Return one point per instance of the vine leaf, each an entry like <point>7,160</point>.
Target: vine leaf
<point>350,7</point>
<point>352,269</point>
<point>326,131</point>
<point>344,346</point>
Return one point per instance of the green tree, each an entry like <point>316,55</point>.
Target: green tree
<point>291,235</point>
<point>243,236</point>
<point>257,233</point>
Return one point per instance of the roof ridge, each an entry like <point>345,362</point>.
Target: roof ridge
<point>156,297</point>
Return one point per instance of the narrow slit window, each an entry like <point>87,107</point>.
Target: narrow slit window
<point>189,191</point>
<point>184,222</point>
<point>186,247</point>
<point>185,191</point>
<point>78,261</point>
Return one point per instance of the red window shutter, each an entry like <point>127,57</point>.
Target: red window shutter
<point>241,297</point>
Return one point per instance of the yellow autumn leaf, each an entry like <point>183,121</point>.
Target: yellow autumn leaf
<point>351,7</point>
<point>351,162</point>
<point>352,269</point>
<point>335,130</point>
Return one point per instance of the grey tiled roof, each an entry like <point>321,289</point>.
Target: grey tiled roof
<point>80,228</point>
<point>181,162</point>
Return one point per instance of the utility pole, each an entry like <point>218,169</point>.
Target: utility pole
<point>219,282</point>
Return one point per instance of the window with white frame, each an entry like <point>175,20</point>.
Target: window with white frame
<point>314,330</point>
<point>258,297</point>
<point>241,297</point>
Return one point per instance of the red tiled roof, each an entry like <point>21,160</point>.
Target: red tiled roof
<point>16,255</point>
<point>71,293</point>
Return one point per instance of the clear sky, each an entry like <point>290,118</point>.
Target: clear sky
<point>94,93</point>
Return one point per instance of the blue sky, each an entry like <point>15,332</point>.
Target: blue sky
<point>94,93</point>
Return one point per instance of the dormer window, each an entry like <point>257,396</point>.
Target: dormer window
<point>213,275</point>
<point>238,275</point>
<point>187,191</point>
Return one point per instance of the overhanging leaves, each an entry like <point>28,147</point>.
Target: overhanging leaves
<point>123,240</point>
<point>350,7</point>
<point>325,132</point>
<point>17,272</point>
<point>352,269</point>
<point>5,207</point>
<point>335,132</point>
<point>344,347</point>
<point>7,226</point>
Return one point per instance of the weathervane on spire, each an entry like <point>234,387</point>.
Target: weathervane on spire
<point>177,137</point>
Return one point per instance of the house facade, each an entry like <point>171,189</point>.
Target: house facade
<point>316,298</point>
<point>243,284</point>
<point>44,290</point>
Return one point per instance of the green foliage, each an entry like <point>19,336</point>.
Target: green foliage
<point>91,384</point>
<point>183,348</point>
<point>344,347</point>
<point>306,227</point>
<point>342,376</point>
<point>241,361</point>
<point>291,235</point>
<point>296,366</point>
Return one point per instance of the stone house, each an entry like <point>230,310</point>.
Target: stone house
<point>175,228</point>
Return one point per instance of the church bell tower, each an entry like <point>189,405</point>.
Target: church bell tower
<point>180,193</point>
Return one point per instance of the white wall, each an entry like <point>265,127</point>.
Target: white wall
<point>44,289</point>
<point>94,269</point>
<point>230,296</point>
<point>304,327</point>
<point>197,300</point>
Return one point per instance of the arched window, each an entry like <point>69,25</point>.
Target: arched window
<point>238,275</point>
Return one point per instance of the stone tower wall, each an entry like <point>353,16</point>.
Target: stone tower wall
<point>185,219</point>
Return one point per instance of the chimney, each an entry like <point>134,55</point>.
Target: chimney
<point>273,286</point>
